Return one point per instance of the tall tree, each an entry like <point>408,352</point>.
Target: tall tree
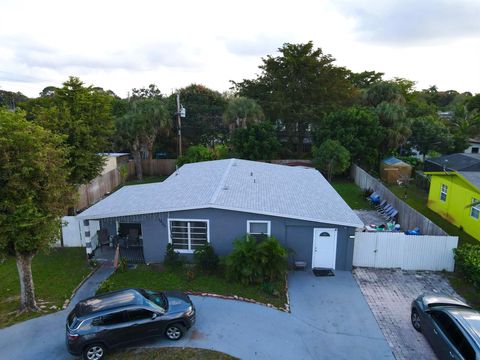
<point>463,126</point>
<point>139,127</point>
<point>203,123</point>
<point>429,133</point>
<point>357,129</point>
<point>34,193</point>
<point>365,79</point>
<point>242,111</point>
<point>83,115</point>
<point>298,87</point>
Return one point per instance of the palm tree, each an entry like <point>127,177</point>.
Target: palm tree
<point>242,111</point>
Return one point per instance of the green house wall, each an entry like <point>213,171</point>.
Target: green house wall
<point>460,194</point>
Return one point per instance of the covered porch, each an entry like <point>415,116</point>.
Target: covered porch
<point>111,238</point>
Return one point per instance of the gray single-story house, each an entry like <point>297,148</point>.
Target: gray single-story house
<point>218,201</point>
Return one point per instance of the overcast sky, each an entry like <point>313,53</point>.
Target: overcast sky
<point>119,45</point>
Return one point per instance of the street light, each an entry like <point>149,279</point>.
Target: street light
<point>181,113</point>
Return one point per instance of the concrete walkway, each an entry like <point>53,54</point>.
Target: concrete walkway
<point>330,319</point>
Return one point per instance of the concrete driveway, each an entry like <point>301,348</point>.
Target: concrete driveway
<point>330,320</point>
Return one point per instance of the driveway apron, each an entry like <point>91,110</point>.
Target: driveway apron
<point>330,320</point>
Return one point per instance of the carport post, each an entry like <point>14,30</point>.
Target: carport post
<point>88,239</point>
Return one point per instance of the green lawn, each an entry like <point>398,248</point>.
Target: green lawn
<point>146,180</point>
<point>351,193</point>
<point>156,278</point>
<point>166,353</point>
<point>55,276</point>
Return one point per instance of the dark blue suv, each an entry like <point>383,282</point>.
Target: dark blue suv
<point>121,317</point>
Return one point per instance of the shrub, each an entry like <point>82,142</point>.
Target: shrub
<point>172,258</point>
<point>467,259</point>
<point>254,262</point>
<point>206,259</point>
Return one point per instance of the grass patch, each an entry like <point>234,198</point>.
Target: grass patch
<point>146,180</point>
<point>170,353</point>
<point>417,198</point>
<point>55,276</point>
<point>156,278</point>
<point>351,193</point>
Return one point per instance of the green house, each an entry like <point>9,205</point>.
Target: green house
<point>455,190</point>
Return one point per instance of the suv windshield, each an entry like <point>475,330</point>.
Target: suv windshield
<point>158,298</point>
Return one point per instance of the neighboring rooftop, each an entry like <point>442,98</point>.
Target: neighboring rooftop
<point>453,162</point>
<point>237,185</point>
<point>473,177</point>
<point>392,160</point>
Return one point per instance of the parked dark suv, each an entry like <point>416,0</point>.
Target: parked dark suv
<point>451,327</point>
<point>118,318</point>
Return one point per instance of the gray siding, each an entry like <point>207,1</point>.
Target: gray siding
<point>226,226</point>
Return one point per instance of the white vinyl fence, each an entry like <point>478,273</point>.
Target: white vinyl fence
<point>73,232</point>
<point>407,252</point>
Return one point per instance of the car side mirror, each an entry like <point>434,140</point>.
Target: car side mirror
<point>155,315</point>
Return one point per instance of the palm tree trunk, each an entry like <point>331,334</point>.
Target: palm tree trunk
<point>27,290</point>
<point>137,158</point>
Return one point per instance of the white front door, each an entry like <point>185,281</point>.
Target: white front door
<point>324,248</point>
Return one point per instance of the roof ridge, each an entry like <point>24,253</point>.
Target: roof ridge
<point>221,184</point>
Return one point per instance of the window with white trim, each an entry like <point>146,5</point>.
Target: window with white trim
<point>188,235</point>
<point>258,228</point>
<point>443,192</point>
<point>475,210</point>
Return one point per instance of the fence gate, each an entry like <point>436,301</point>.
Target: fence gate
<point>407,252</point>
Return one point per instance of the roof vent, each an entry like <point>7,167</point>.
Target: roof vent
<point>225,187</point>
<point>251,174</point>
<point>254,181</point>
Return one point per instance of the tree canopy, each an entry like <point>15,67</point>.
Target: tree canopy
<point>331,158</point>
<point>256,142</point>
<point>298,87</point>
<point>83,115</point>
<point>34,193</point>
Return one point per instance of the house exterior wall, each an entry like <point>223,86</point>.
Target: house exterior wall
<point>225,226</point>
<point>110,164</point>
<point>454,209</point>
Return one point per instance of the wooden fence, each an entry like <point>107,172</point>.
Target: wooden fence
<point>92,192</point>
<point>407,252</point>
<point>154,167</point>
<point>408,217</point>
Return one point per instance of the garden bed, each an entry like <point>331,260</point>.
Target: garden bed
<point>157,277</point>
<point>55,276</point>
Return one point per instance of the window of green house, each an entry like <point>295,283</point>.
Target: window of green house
<point>443,192</point>
<point>475,210</point>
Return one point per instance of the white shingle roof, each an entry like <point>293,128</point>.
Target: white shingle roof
<point>233,184</point>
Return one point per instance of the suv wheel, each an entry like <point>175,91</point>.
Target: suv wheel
<point>94,352</point>
<point>174,331</point>
<point>416,321</point>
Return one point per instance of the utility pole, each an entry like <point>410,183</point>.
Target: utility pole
<point>181,113</point>
<point>179,125</point>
